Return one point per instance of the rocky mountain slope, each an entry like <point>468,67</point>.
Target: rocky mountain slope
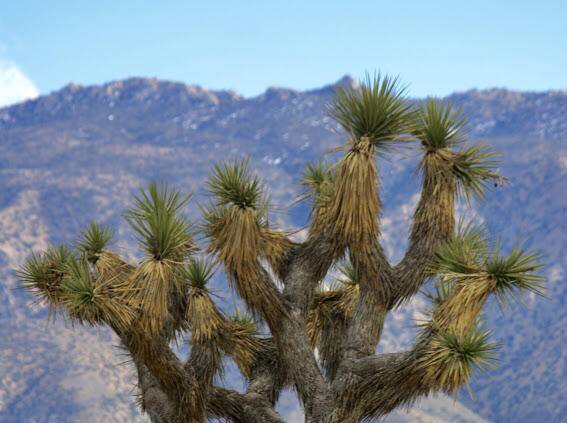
<point>79,153</point>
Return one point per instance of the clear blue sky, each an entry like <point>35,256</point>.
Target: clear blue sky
<point>435,46</point>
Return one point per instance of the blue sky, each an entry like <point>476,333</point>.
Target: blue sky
<point>435,46</point>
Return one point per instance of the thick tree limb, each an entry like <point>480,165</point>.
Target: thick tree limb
<point>378,384</point>
<point>179,383</point>
<point>373,273</point>
<point>433,223</point>
<point>268,376</point>
<point>307,265</point>
<point>240,408</point>
<point>153,400</point>
<point>223,403</point>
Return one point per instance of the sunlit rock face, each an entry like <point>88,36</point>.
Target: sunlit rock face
<point>79,153</point>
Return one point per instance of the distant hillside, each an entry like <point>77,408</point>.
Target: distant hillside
<point>78,153</point>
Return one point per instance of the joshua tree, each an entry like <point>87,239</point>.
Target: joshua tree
<point>299,330</point>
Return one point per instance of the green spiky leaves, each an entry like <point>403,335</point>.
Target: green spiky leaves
<point>439,126</point>
<point>349,275</point>
<point>317,179</point>
<point>333,305</point>
<point>468,255</point>
<point>239,234</point>
<point>93,241</point>
<point>243,344</point>
<point>470,271</point>
<point>462,254</point>
<point>161,231</point>
<point>79,295</point>
<point>476,168</point>
<point>206,321</point>
<point>377,111</point>
<point>440,129</point>
<point>62,279</point>
<point>244,321</point>
<point>92,300</point>
<point>232,183</point>
<point>450,358</point>
<point>515,273</point>
<point>166,237</point>
<point>197,273</point>
<point>43,273</point>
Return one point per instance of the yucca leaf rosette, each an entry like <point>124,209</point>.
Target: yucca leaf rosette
<point>205,320</point>
<point>165,236</point>
<point>451,358</point>
<point>91,300</point>
<point>239,235</point>
<point>376,116</point>
<point>441,129</point>
<point>94,241</point>
<point>471,271</point>
<point>244,344</point>
<point>42,274</point>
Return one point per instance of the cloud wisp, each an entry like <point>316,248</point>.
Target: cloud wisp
<point>15,86</point>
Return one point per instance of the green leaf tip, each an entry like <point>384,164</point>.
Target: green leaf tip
<point>377,110</point>
<point>232,183</point>
<point>94,240</point>
<point>515,272</point>
<point>197,272</point>
<point>162,232</point>
<point>438,125</point>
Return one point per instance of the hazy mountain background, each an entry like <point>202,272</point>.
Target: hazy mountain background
<point>79,153</point>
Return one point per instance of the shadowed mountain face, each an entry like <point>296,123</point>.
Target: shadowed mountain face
<point>78,154</point>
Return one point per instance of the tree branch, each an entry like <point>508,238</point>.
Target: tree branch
<point>240,408</point>
<point>373,274</point>
<point>152,399</point>
<point>308,264</point>
<point>178,382</point>
<point>376,385</point>
<point>267,377</point>
<point>433,223</point>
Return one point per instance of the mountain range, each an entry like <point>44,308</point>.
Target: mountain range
<point>80,153</point>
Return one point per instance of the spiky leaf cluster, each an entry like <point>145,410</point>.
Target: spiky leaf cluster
<point>438,126</point>
<point>197,273</point>
<point>94,241</point>
<point>440,129</point>
<point>462,254</point>
<point>79,292</point>
<point>232,183</point>
<point>333,306</point>
<point>237,227</point>
<point>317,180</point>
<point>467,255</point>
<point>43,273</point>
<point>166,237</point>
<point>161,231</point>
<point>206,321</point>
<point>515,272</point>
<point>476,168</point>
<point>91,299</point>
<point>470,272</point>
<point>376,110</point>
<point>245,346</point>
<point>451,357</point>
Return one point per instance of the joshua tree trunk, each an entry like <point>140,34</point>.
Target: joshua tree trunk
<point>319,338</point>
